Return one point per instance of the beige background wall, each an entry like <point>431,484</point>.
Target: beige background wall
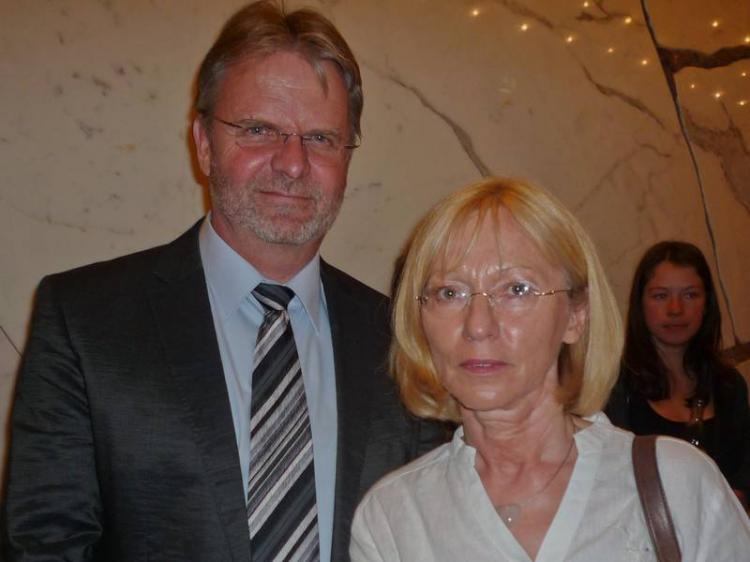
<point>95,99</point>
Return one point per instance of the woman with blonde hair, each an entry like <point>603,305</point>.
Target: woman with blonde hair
<point>505,324</point>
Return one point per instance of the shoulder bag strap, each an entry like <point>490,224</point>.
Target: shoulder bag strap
<point>651,492</point>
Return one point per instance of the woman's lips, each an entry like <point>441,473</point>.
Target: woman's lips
<point>482,366</point>
<point>680,326</point>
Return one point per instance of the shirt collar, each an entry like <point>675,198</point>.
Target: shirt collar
<point>232,278</point>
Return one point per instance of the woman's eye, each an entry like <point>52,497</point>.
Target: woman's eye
<point>659,296</point>
<point>518,290</point>
<point>448,294</point>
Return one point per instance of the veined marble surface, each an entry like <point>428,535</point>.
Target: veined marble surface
<point>95,159</point>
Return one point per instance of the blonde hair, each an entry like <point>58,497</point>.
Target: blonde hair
<point>587,368</point>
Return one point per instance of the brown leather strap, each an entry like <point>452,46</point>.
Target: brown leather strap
<point>651,492</point>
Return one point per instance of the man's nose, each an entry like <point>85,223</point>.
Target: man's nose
<point>290,157</point>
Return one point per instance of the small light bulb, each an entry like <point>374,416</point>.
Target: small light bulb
<point>692,86</point>
<point>747,38</point>
<point>743,74</point>
<point>742,103</point>
<point>585,4</point>
<point>524,27</point>
<point>717,95</point>
<point>611,50</point>
<point>475,12</point>
<point>644,62</point>
<point>715,24</point>
<point>569,39</point>
<point>628,20</point>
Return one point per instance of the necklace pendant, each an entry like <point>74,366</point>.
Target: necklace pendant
<point>509,513</point>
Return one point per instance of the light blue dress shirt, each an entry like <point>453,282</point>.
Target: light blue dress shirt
<point>237,317</point>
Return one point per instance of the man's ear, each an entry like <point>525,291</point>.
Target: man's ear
<point>579,316</point>
<point>202,145</point>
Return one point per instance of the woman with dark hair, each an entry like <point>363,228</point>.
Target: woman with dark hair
<point>673,380</point>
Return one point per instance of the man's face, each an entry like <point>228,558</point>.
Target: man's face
<point>285,192</point>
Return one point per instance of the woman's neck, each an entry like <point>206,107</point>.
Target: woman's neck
<point>673,357</point>
<point>514,438</point>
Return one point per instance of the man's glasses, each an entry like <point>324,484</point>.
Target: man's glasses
<point>326,145</point>
<point>451,300</point>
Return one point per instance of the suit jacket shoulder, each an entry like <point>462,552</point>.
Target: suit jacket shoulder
<point>131,272</point>
<point>122,384</point>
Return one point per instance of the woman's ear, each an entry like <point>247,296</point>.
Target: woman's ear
<point>577,321</point>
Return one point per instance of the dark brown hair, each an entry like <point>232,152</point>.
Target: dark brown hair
<point>645,371</point>
<point>261,29</point>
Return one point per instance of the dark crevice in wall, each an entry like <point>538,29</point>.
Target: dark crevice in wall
<point>671,59</point>
<point>604,15</point>
<point>10,341</point>
<point>525,12</point>
<point>677,59</point>
<point>729,147</point>
<point>629,100</point>
<point>463,137</point>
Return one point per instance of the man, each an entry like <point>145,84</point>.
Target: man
<point>145,426</point>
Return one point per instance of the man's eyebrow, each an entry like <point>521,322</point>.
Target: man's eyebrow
<point>254,121</point>
<point>321,131</point>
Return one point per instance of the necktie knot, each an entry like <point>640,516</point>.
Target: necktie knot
<point>273,297</point>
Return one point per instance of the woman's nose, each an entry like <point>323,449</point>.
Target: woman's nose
<point>675,305</point>
<point>480,318</point>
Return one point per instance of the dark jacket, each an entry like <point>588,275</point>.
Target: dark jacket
<point>123,446</point>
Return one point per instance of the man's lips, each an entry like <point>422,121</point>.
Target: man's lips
<point>482,366</point>
<point>284,195</point>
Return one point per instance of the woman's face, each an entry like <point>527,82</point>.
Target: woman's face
<point>674,300</point>
<point>502,355</point>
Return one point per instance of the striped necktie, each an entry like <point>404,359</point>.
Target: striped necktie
<point>281,510</point>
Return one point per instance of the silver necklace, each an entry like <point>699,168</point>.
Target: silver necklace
<point>510,513</point>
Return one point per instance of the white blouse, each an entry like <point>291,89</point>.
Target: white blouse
<point>436,508</point>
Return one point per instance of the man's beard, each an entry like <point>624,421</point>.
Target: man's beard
<point>244,209</point>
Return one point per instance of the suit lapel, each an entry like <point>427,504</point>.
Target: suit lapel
<point>183,315</point>
<point>353,402</point>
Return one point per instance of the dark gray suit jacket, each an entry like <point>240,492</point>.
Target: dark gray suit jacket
<point>123,446</point>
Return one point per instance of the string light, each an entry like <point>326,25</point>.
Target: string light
<point>475,12</point>
<point>643,62</point>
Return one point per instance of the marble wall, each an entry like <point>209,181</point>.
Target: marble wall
<point>637,118</point>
